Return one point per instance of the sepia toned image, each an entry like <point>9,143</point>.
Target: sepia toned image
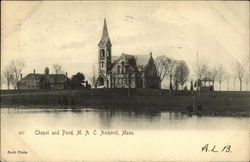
<point>125,81</point>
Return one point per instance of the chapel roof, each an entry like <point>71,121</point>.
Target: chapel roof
<point>141,60</point>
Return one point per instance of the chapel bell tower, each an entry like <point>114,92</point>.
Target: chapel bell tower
<point>104,52</point>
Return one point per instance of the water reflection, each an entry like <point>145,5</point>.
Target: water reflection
<point>115,118</point>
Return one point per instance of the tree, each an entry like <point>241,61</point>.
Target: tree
<point>227,77</point>
<point>221,75</point>
<point>247,74</point>
<point>191,86</point>
<point>57,68</point>
<point>8,75</point>
<point>246,79</point>
<point>162,66</point>
<point>203,70</point>
<point>181,73</point>
<point>234,80</point>
<point>239,70</point>
<point>77,80</point>
<point>92,77</point>
<point>165,67</point>
<point>17,67</point>
<point>172,65</point>
<point>213,73</point>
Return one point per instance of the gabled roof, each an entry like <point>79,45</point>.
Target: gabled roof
<point>115,58</point>
<point>105,36</point>
<point>127,58</point>
<point>141,60</point>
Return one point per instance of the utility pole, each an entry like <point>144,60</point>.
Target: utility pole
<point>198,64</point>
<point>198,75</point>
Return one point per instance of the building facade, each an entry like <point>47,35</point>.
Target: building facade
<point>44,81</point>
<point>125,71</point>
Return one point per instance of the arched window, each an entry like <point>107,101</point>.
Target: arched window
<point>123,66</point>
<point>118,69</point>
<point>108,52</point>
<point>102,53</point>
<point>102,64</point>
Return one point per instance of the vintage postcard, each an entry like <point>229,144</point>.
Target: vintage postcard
<point>125,81</point>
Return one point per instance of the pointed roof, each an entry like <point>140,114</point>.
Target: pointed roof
<point>105,35</point>
<point>142,60</point>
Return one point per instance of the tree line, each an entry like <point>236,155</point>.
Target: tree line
<point>175,71</point>
<point>178,73</point>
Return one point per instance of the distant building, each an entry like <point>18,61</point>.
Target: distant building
<point>125,71</point>
<point>44,81</point>
<point>206,84</point>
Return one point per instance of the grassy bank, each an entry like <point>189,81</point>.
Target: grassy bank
<point>228,103</point>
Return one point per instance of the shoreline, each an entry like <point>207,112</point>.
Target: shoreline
<point>217,103</point>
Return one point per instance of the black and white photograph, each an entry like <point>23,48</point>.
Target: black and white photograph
<point>125,81</point>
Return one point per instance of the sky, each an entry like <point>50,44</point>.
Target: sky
<point>47,32</point>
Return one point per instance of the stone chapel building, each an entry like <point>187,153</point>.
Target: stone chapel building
<point>125,71</point>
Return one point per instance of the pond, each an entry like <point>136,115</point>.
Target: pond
<point>81,134</point>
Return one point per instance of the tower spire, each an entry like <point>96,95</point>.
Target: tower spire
<point>105,35</point>
<point>105,30</point>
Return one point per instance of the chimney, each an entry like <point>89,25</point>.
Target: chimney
<point>21,76</point>
<point>66,74</point>
<point>34,71</point>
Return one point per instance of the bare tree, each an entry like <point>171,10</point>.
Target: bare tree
<point>247,75</point>
<point>221,75</point>
<point>239,70</point>
<point>162,66</point>
<point>8,75</point>
<point>234,77</point>
<point>181,73</point>
<point>92,76</point>
<point>228,77</point>
<point>171,68</point>
<point>17,67</point>
<point>165,67</point>
<point>57,68</point>
<point>246,79</point>
<point>213,73</point>
<point>203,70</point>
